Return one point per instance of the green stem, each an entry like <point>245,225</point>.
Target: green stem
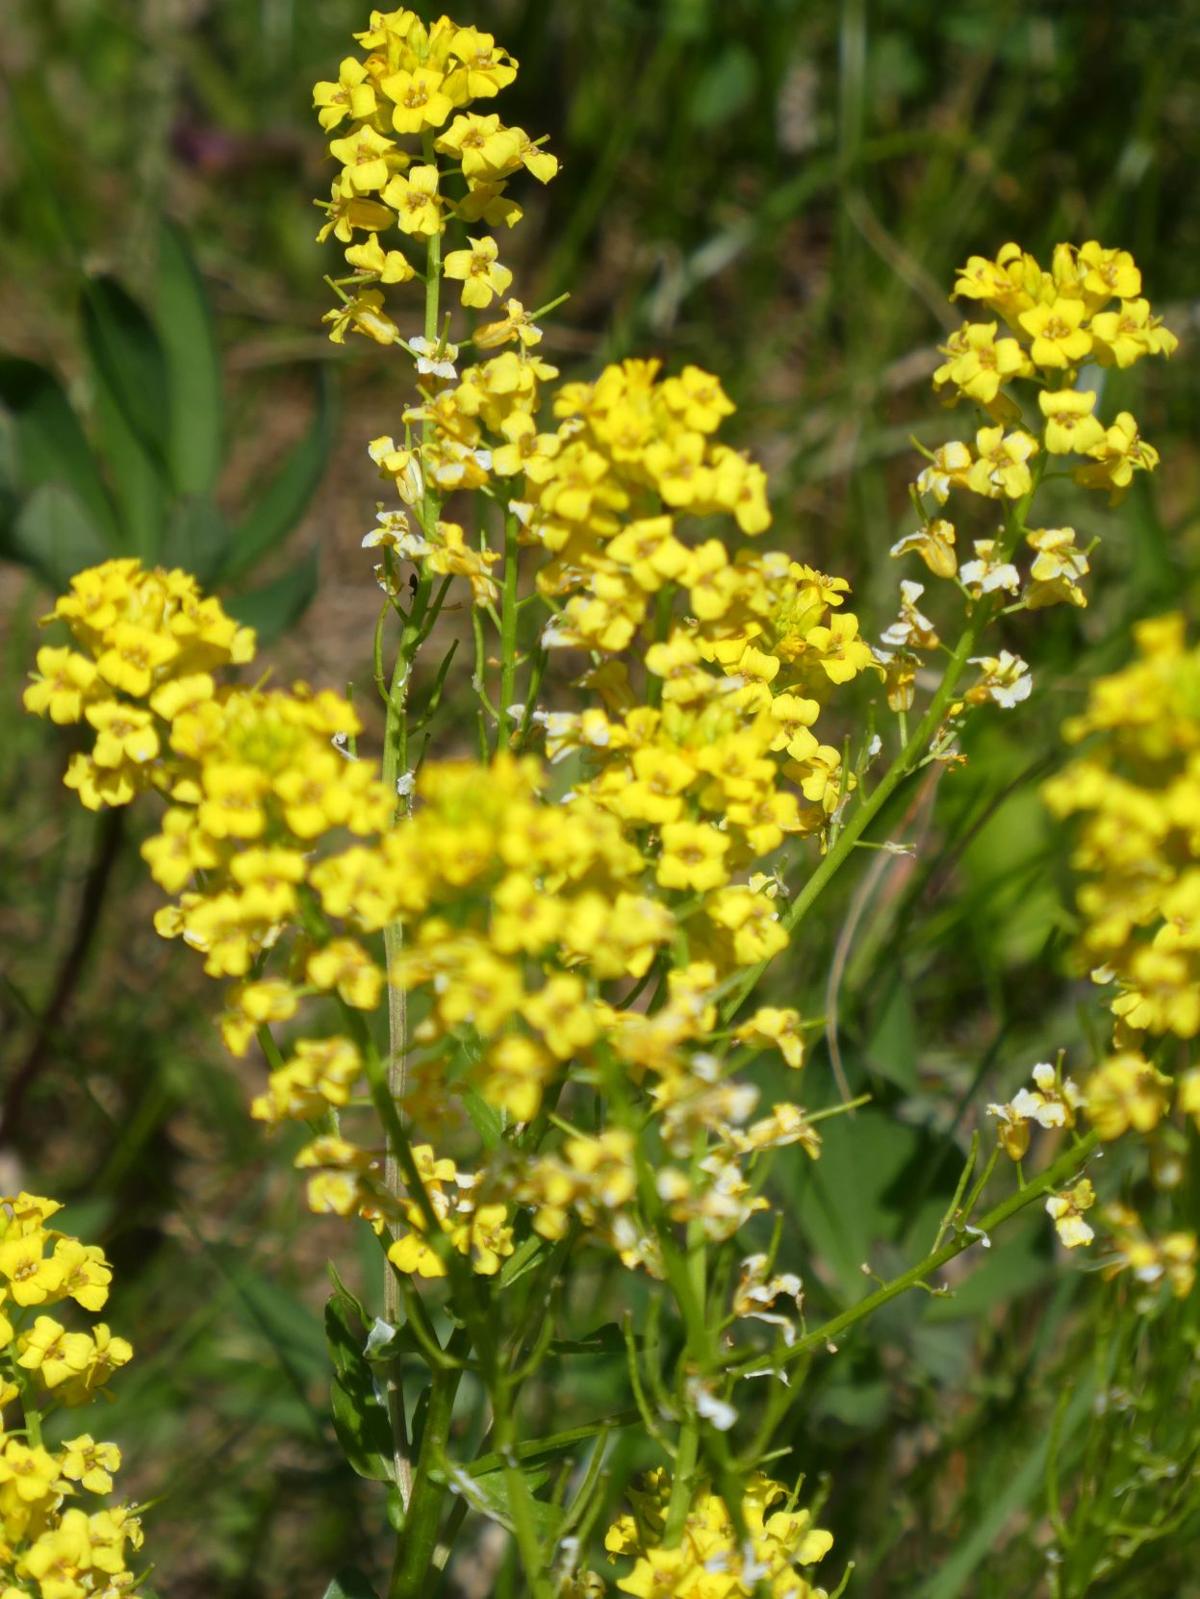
<point>1067,1163</point>
<point>520,1500</point>
<point>416,1544</point>
<point>394,763</point>
<point>902,767</point>
<point>508,628</point>
<point>687,1451</point>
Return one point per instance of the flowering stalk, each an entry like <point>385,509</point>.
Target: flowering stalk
<point>566,977</point>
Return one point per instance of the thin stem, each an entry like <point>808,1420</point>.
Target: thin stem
<point>394,764</point>
<point>907,762</point>
<point>416,1544</point>
<point>1067,1163</point>
<point>508,627</point>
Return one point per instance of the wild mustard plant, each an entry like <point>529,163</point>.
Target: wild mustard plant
<point>59,1539</point>
<point>517,998</point>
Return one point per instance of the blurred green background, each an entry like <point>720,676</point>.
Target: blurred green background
<point>779,190</point>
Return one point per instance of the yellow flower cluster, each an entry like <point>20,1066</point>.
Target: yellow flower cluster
<point>1052,329</point>
<point>709,1561</point>
<point>151,642</point>
<point>49,1545</point>
<point>1136,788</point>
<point>415,83</point>
<point>279,849</point>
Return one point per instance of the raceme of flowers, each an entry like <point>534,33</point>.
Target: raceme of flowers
<point>414,158</point>
<point>61,1537</point>
<point>1033,369</point>
<point>566,957</point>
<point>522,916</point>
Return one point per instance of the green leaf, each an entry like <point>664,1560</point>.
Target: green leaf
<point>490,1497</point>
<point>283,504</point>
<point>48,443</point>
<point>196,537</point>
<point>843,1203</point>
<point>725,86</point>
<point>129,364</point>
<point>193,367</point>
<point>52,533</point>
<point>349,1583</point>
<point>485,1118</point>
<point>271,609</point>
<point>893,1046</point>
<point>131,412</point>
<point>360,1416</point>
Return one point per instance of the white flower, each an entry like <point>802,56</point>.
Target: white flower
<point>714,1410</point>
<point>435,359</point>
<point>1005,679</point>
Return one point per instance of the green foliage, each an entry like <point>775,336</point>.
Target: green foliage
<point>145,485</point>
<point>730,167</point>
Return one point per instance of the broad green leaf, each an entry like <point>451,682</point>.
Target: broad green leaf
<point>350,1584</point>
<point>360,1416</point>
<point>362,1426</point>
<point>271,609</point>
<point>120,354</point>
<point>196,536</point>
<point>842,1199</point>
<point>343,1331</point>
<point>892,1049</point>
<point>193,367</point>
<point>129,363</point>
<point>53,534</point>
<point>48,443</point>
<point>279,510</point>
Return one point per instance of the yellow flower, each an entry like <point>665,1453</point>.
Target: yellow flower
<point>693,856</point>
<point>90,1463</point>
<point>1070,424</point>
<point>483,146</point>
<point>979,362</point>
<point>934,543</point>
<point>32,1276</point>
<point>362,313</point>
<point>60,686</point>
<point>771,1025</point>
<point>1001,468</point>
<point>389,266</point>
<point>32,1473</point>
<point>1059,339</point>
<point>415,199</point>
<point>485,69</point>
<point>419,99</point>
<point>479,271</point>
<point>345,966</point>
<point>53,1352</point>
<point>1126,1091</point>
<point>85,1273</point>
<point>352,95</point>
<point>363,155</point>
<point>1066,1210</point>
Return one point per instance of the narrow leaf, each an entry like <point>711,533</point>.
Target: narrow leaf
<point>129,363</point>
<point>350,1584</point>
<point>195,537</point>
<point>54,535</point>
<point>271,609</point>
<point>48,443</point>
<point>193,367</point>
<point>279,510</point>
